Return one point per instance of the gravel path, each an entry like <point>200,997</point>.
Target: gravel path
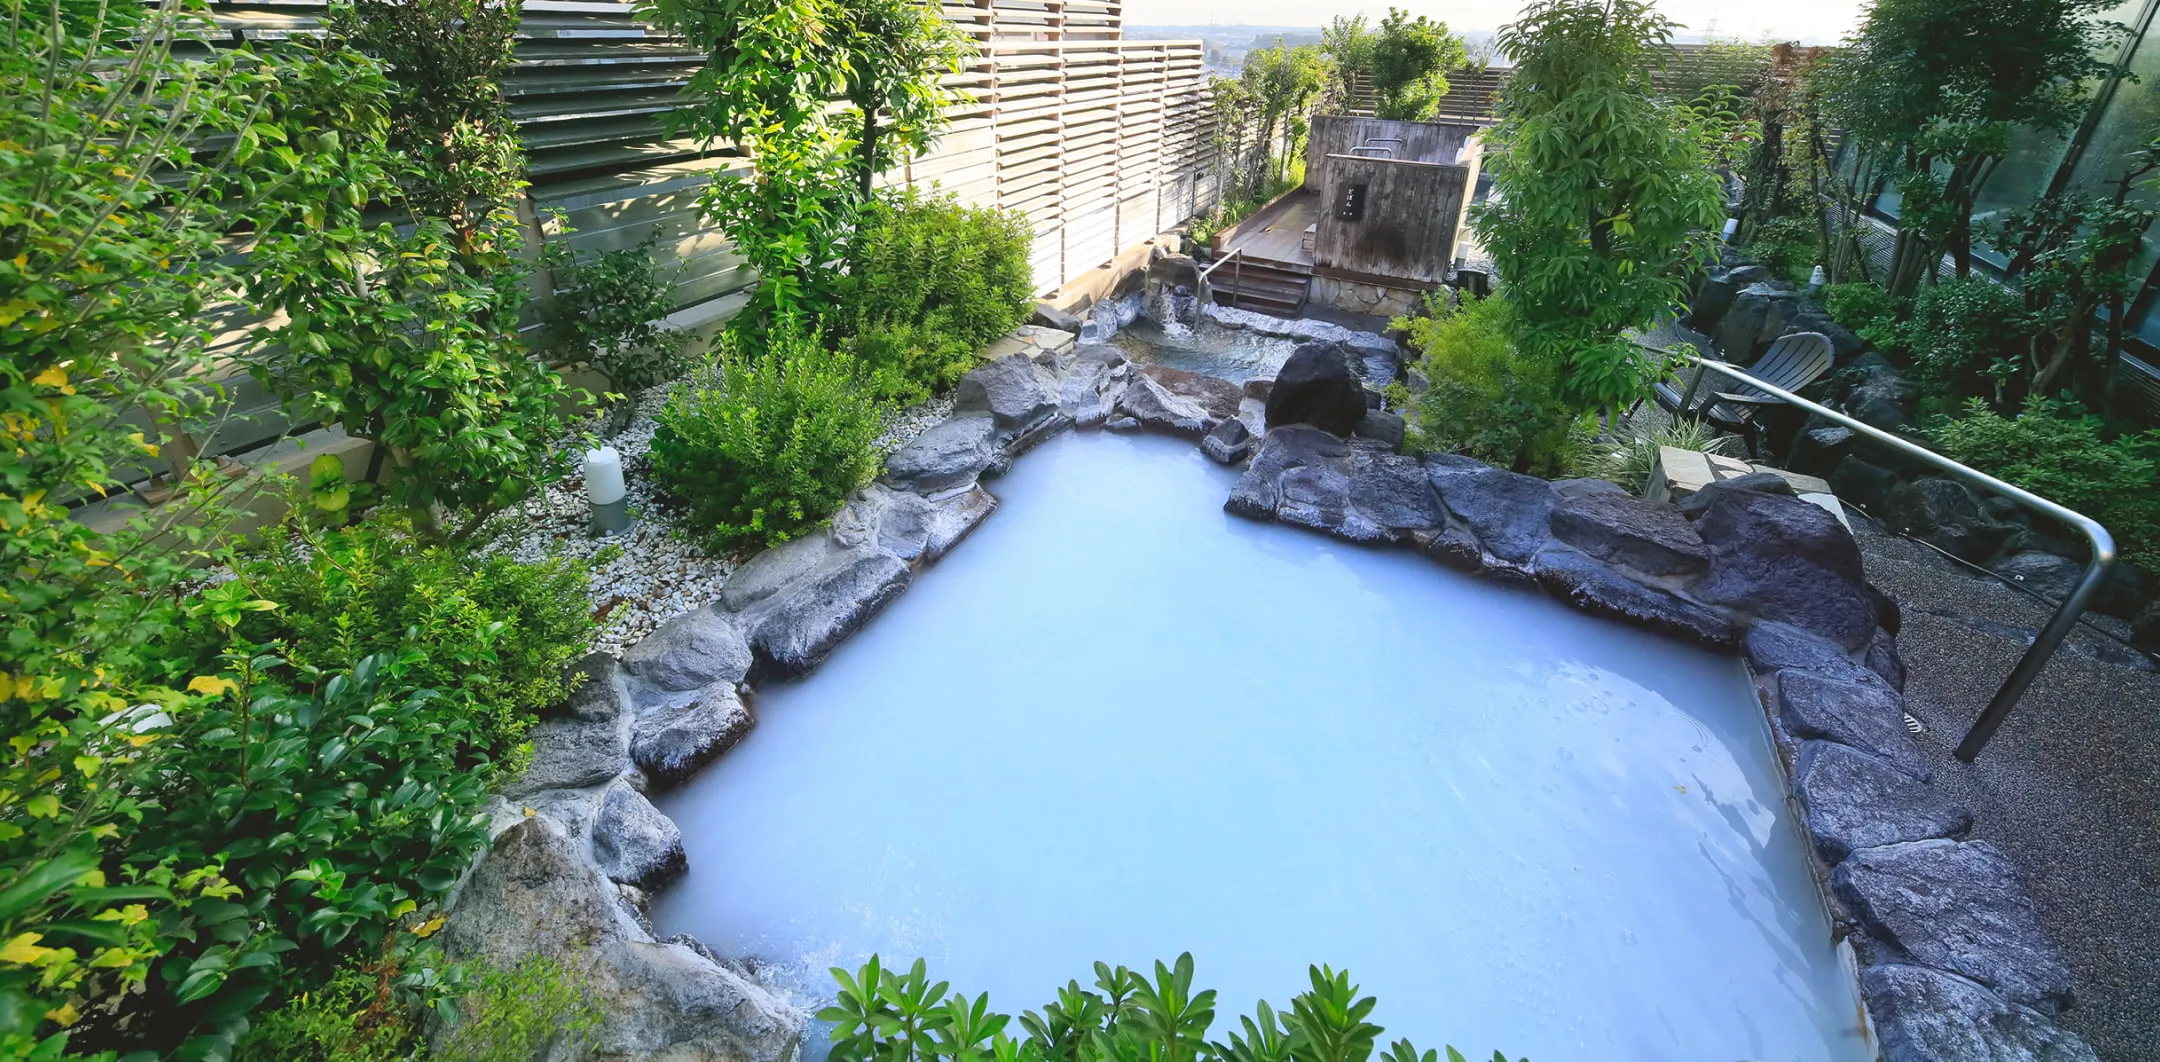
<point>654,572</point>
<point>2069,788</point>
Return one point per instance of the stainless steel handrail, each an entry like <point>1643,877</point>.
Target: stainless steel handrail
<point>1237,274</point>
<point>2066,615</point>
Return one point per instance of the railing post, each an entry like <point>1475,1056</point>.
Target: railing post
<point>2066,614</point>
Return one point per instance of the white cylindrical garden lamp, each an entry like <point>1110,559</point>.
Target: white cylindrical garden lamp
<point>604,488</point>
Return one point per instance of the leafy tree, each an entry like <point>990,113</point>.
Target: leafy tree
<point>1604,197</point>
<point>895,51</point>
<point>771,67</point>
<point>112,232</point>
<point>1347,42</point>
<point>1410,60</point>
<point>446,60</point>
<point>1930,90</point>
<point>409,335</point>
<point>1281,84</point>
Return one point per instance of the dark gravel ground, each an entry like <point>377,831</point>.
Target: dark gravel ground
<point>2069,788</point>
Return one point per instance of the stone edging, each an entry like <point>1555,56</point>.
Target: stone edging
<point>1955,963</point>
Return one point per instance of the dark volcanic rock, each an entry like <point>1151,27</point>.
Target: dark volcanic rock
<point>1924,1015</point>
<point>1699,502</point>
<point>1316,387</point>
<point>950,453</point>
<point>1759,313</point>
<point>672,743</point>
<point>1455,548</point>
<point>1382,426</point>
<point>1784,559</point>
<point>1861,483</point>
<point>693,650</point>
<point>633,843</point>
<point>1883,659</point>
<point>1219,397</point>
<point>1510,513</point>
<point>1650,537</point>
<point>1594,588</point>
<point>1392,491</point>
<point>1868,717</point>
<point>1154,406</point>
<point>793,633</point>
<point>1258,492</point>
<point>1771,646</point>
<point>1943,512</point>
<point>1230,442</point>
<point>1855,800</point>
<point>1014,390</point>
<point>1955,906</point>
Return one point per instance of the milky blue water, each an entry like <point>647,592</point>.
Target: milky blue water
<point>1118,723</point>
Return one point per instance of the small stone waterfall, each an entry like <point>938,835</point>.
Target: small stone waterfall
<point>1174,292</point>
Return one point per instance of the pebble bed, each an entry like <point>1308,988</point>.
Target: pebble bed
<point>653,572</point>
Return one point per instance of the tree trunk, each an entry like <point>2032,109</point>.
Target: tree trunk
<point>866,153</point>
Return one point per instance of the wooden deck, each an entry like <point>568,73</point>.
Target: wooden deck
<point>1277,232</point>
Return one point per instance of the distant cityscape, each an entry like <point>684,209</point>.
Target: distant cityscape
<point>1227,45</point>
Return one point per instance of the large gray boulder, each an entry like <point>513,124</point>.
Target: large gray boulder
<point>951,453</point>
<point>693,650</point>
<point>533,895</point>
<point>570,753</point>
<point>1229,442</point>
<point>1083,393</point>
<point>1855,801</point>
<point>1015,391</point>
<point>1954,906</point>
<point>908,525</point>
<point>633,843</point>
<point>1308,478</point>
<point>1510,513</point>
<point>1924,1015</point>
<point>1598,590</point>
<point>597,693</point>
<point>1866,716</point>
<point>792,633</point>
<point>776,569</point>
<point>1780,558</point>
<point>1650,537</point>
<point>1155,406</point>
<point>672,742</point>
<point>1316,386</point>
<point>1219,397</point>
<point>1774,646</point>
<point>1393,492</point>
<point>1759,313</point>
<point>1943,512</point>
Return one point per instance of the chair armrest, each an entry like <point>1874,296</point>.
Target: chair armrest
<point>1752,400</point>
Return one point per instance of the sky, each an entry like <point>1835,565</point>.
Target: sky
<point>1822,21</point>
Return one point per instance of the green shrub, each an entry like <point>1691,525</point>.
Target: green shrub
<point>1869,311</point>
<point>930,282</point>
<point>333,814</point>
<point>495,634</point>
<point>883,1016</point>
<point>2058,451</point>
<point>1484,396</point>
<point>371,1013</point>
<point>1964,332</point>
<point>608,311</point>
<point>769,443</point>
<point>1790,246</point>
<point>1628,462</point>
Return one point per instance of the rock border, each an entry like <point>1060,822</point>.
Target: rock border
<point>1954,962</point>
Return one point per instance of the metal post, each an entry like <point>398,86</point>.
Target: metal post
<point>2066,615</point>
<point>1237,277</point>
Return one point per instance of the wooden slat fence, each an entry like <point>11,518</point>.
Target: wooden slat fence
<point>1102,142</point>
